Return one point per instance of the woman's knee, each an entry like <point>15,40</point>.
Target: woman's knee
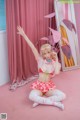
<point>34,93</point>
<point>60,93</point>
<point>64,95</point>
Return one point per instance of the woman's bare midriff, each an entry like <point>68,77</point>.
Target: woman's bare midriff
<point>44,77</point>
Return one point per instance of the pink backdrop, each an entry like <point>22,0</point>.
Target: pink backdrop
<point>30,15</point>
<point>77,14</point>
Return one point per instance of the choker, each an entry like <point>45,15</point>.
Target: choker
<point>49,60</point>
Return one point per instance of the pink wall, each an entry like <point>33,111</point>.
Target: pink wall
<point>77,14</point>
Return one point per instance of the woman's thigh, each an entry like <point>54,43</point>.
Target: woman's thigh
<point>49,93</point>
<point>36,92</point>
<point>55,92</point>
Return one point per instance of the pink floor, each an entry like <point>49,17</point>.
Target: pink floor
<point>19,107</point>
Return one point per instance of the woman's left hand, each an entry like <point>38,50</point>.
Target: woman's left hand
<point>20,31</point>
<point>54,56</point>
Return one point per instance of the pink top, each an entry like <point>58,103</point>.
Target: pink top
<point>45,66</point>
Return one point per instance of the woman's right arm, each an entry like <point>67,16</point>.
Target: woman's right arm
<point>57,65</point>
<point>34,50</point>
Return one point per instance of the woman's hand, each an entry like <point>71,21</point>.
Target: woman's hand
<point>54,56</point>
<point>31,45</point>
<point>20,31</point>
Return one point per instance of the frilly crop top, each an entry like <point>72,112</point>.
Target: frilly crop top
<point>45,66</point>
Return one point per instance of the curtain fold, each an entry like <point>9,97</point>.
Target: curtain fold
<point>30,15</point>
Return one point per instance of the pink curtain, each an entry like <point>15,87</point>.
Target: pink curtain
<point>30,15</point>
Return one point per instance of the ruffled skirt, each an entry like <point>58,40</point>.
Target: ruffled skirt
<point>43,86</point>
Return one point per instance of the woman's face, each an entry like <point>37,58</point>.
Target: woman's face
<point>46,54</point>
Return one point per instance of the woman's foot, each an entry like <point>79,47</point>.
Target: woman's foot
<point>35,104</point>
<point>59,105</point>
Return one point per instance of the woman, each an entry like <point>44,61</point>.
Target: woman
<point>48,66</point>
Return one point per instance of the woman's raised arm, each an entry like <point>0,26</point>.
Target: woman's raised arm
<point>34,50</point>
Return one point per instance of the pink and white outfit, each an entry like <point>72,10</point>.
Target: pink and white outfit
<point>43,87</point>
<point>47,68</point>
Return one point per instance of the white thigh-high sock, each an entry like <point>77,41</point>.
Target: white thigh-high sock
<point>57,104</point>
<point>57,96</point>
<point>35,96</point>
